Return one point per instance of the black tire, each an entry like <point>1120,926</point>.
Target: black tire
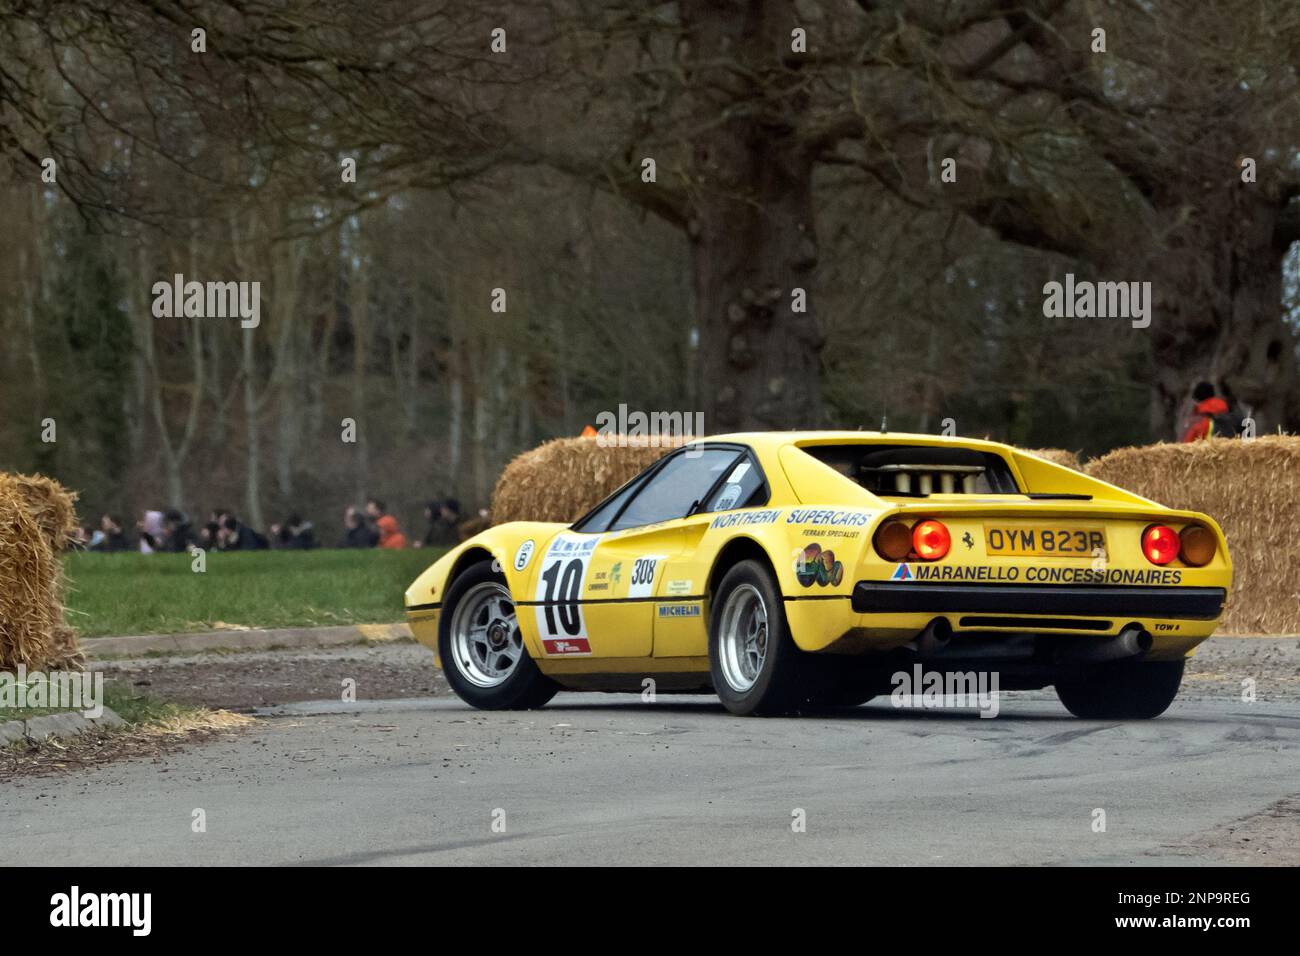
<point>526,687</point>
<point>1129,690</point>
<point>776,685</point>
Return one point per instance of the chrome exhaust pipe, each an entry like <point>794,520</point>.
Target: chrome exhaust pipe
<point>933,639</point>
<point>1130,642</point>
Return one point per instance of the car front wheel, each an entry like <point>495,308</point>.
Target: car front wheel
<point>1131,690</point>
<point>481,649</point>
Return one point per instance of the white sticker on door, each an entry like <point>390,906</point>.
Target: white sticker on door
<point>642,582</point>
<point>559,586</point>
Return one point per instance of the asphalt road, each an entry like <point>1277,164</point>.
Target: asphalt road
<point>611,780</point>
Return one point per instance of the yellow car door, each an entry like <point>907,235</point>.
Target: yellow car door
<point>736,498</point>
<point>620,592</point>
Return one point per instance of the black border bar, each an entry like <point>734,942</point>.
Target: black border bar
<point>888,597</point>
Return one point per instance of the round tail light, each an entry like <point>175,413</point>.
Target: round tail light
<point>893,540</point>
<point>1198,545</point>
<point>1161,544</point>
<point>930,540</point>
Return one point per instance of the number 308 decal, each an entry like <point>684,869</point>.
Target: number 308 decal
<point>559,586</point>
<point>642,583</point>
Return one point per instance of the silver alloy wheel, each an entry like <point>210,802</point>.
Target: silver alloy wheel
<point>742,639</point>
<point>485,636</point>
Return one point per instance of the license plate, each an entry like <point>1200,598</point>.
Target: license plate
<point>1013,540</point>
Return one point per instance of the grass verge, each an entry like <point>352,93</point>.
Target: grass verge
<point>120,594</point>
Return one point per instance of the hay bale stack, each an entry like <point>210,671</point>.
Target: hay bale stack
<point>565,478</point>
<point>1252,488</point>
<point>37,520</point>
<point>51,505</point>
<point>1057,456</point>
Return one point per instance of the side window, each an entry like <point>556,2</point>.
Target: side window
<point>680,483</point>
<point>599,519</point>
<point>741,488</point>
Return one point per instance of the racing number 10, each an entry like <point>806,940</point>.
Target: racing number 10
<point>562,589</point>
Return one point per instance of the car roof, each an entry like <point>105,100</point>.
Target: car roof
<point>771,441</point>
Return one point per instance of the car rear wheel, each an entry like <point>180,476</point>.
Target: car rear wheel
<point>1129,690</point>
<point>753,660</point>
<point>481,648</point>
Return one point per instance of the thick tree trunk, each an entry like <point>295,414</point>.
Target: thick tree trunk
<point>753,242</point>
<point>753,254</point>
<point>1219,314</point>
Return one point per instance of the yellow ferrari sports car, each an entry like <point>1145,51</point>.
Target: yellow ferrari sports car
<point>783,571</point>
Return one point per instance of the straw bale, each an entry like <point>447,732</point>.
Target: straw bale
<point>1252,488</point>
<point>50,504</point>
<point>1058,456</point>
<point>37,519</point>
<point>563,479</point>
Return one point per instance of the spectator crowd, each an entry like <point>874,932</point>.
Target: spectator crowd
<point>369,527</point>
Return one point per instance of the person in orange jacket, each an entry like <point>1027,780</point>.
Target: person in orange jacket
<point>1211,417</point>
<point>390,535</point>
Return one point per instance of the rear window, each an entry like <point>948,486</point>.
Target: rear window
<point>918,470</point>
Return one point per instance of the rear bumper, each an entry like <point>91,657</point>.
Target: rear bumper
<point>1187,604</point>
